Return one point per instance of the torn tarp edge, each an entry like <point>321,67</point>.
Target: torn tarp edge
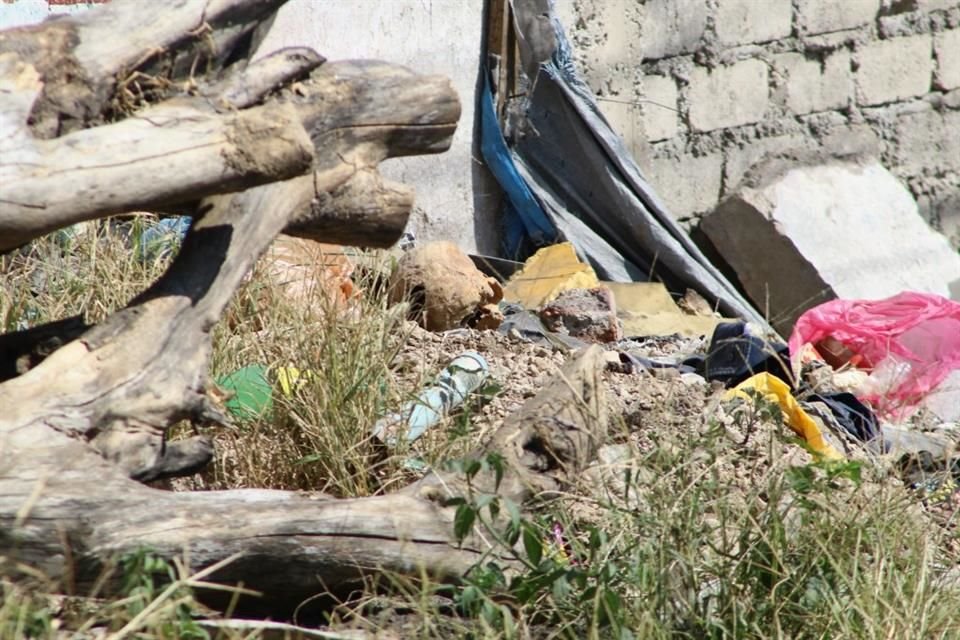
<point>632,223</point>
<point>534,223</point>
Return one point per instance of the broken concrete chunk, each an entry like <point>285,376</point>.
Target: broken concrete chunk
<point>588,314</point>
<point>446,289</point>
<point>546,274</point>
<point>800,235</point>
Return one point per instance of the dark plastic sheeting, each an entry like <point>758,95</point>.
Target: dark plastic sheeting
<point>584,180</point>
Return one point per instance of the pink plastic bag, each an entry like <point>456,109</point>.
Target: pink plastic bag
<point>912,340</point>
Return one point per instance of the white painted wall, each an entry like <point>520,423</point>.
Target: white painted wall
<point>455,198</point>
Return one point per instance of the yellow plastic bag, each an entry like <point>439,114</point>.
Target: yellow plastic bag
<point>292,378</point>
<point>776,390</point>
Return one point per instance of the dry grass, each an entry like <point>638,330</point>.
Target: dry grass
<point>317,437</point>
<point>682,546</point>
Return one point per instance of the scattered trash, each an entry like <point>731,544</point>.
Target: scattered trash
<point>549,272</point>
<point>631,363</point>
<point>252,393</point>
<point>666,324</point>
<point>588,314</point>
<point>527,326</point>
<point>773,389</point>
<point>464,375</point>
<point>407,241</point>
<point>445,289</point>
<point>736,354</point>
<point>648,309</point>
<point>251,388</point>
<point>70,236</point>
<point>642,297</point>
<point>289,379</point>
<point>566,173</point>
<point>908,345</point>
<point>931,446</point>
<point>162,238</point>
<point>851,417</point>
<point>786,232</point>
<point>309,272</point>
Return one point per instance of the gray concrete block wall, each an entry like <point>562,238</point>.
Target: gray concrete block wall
<point>707,88</point>
<point>894,69</point>
<point>728,95</point>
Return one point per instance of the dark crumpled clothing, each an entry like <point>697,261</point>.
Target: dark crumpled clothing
<point>851,414</point>
<point>734,355</point>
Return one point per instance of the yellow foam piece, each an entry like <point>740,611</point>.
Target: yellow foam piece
<point>776,390</point>
<point>548,273</point>
<point>642,297</point>
<point>665,324</point>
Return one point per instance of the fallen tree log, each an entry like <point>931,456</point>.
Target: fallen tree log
<point>164,333</point>
<point>86,411</point>
<point>97,63</point>
<point>66,511</point>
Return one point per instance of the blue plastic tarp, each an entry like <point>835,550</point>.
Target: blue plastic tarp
<point>565,165</point>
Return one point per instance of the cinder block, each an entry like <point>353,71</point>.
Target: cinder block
<point>814,85</point>
<point>946,48</point>
<point>927,142</point>
<point>741,159</point>
<point>672,26</point>
<point>808,234</point>
<point>895,69</point>
<point>660,108</point>
<point>749,21</point>
<point>689,185</point>
<point>852,140</point>
<point>728,96</point>
<point>607,40</point>
<point>824,16</point>
<point>937,5</point>
<point>625,117</point>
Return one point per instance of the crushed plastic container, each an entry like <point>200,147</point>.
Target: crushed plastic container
<point>464,375</point>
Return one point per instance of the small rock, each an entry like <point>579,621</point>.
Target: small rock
<point>445,289</point>
<point>693,379</point>
<point>588,314</point>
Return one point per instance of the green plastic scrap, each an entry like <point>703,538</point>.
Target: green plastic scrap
<point>252,392</point>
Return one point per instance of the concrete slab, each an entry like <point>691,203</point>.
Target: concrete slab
<point>799,235</point>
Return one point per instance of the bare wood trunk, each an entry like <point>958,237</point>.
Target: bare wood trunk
<point>84,421</point>
<point>112,394</point>
<point>98,62</point>
<point>59,501</point>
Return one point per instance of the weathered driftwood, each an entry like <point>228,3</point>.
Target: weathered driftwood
<point>65,510</point>
<point>85,416</point>
<point>112,394</point>
<point>99,61</point>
